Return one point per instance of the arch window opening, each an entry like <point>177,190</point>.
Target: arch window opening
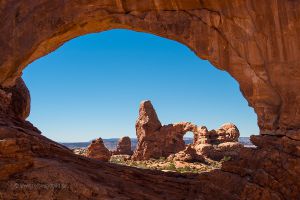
<point>188,138</point>
<point>86,95</point>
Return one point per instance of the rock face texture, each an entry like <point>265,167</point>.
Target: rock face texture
<point>257,43</point>
<point>98,151</point>
<point>123,147</point>
<point>216,144</point>
<point>15,101</point>
<point>189,154</point>
<point>155,140</point>
<point>218,152</point>
<point>226,133</point>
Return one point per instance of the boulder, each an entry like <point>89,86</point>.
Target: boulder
<point>218,152</point>
<point>226,133</point>
<point>189,154</point>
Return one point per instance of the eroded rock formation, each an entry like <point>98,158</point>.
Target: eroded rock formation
<point>226,133</point>
<point>15,101</point>
<point>218,152</point>
<point>189,154</point>
<point>123,147</point>
<point>98,151</point>
<point>217,144</point>
<point>257,43</point>
<point>154,139</point>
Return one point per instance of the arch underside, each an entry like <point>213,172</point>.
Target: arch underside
<point>255,42</point>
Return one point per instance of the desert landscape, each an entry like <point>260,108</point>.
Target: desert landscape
<point>255,42</point>
<point>164,148</point>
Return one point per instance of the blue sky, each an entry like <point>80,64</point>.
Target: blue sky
<point>92,86</point>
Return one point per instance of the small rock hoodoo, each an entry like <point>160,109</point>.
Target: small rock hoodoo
<point>123,147</point>
<point>98,151</point>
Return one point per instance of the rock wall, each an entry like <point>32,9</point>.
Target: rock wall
<point>256,42</point>
<point>15,101</point>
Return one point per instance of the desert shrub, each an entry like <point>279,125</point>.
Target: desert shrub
<point>162,159</point>
<point>171,167</point>
<point>226,158</point>
<point>117,160</point>
<point>187,169</point>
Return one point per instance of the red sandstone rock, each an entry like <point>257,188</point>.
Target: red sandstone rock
<point>155,140</point>
<point>226,133</point>
<point>123,147</point>
<point>255,42</point>
<point>246,39</point>
<point>216,144</point>
<point>98,151</point>
<point>218,152</point>
<point>15,101</point>
<point>189,154</point>
<point>232,133</point>
<point>52,171</point>
<point>148,122</point>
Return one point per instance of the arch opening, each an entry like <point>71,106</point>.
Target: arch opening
<point>188,137</point>
<point>76,60</point>
<point>134,66</point>
<point>180,22</point>
<point>235,36</point>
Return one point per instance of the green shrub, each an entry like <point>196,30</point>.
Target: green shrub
<point>226,158</point>
<point>187,169</point>
<point>171,167</point>
<point>117,160</point>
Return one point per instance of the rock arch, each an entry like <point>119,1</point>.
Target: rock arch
<point>256,42</point>
<point>245,39</point>
<point>156,140</point>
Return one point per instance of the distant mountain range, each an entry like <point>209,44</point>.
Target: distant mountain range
<point>111,144</point>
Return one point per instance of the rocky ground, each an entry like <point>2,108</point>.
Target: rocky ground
<point>166,165</point>
<point>163,164</point>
